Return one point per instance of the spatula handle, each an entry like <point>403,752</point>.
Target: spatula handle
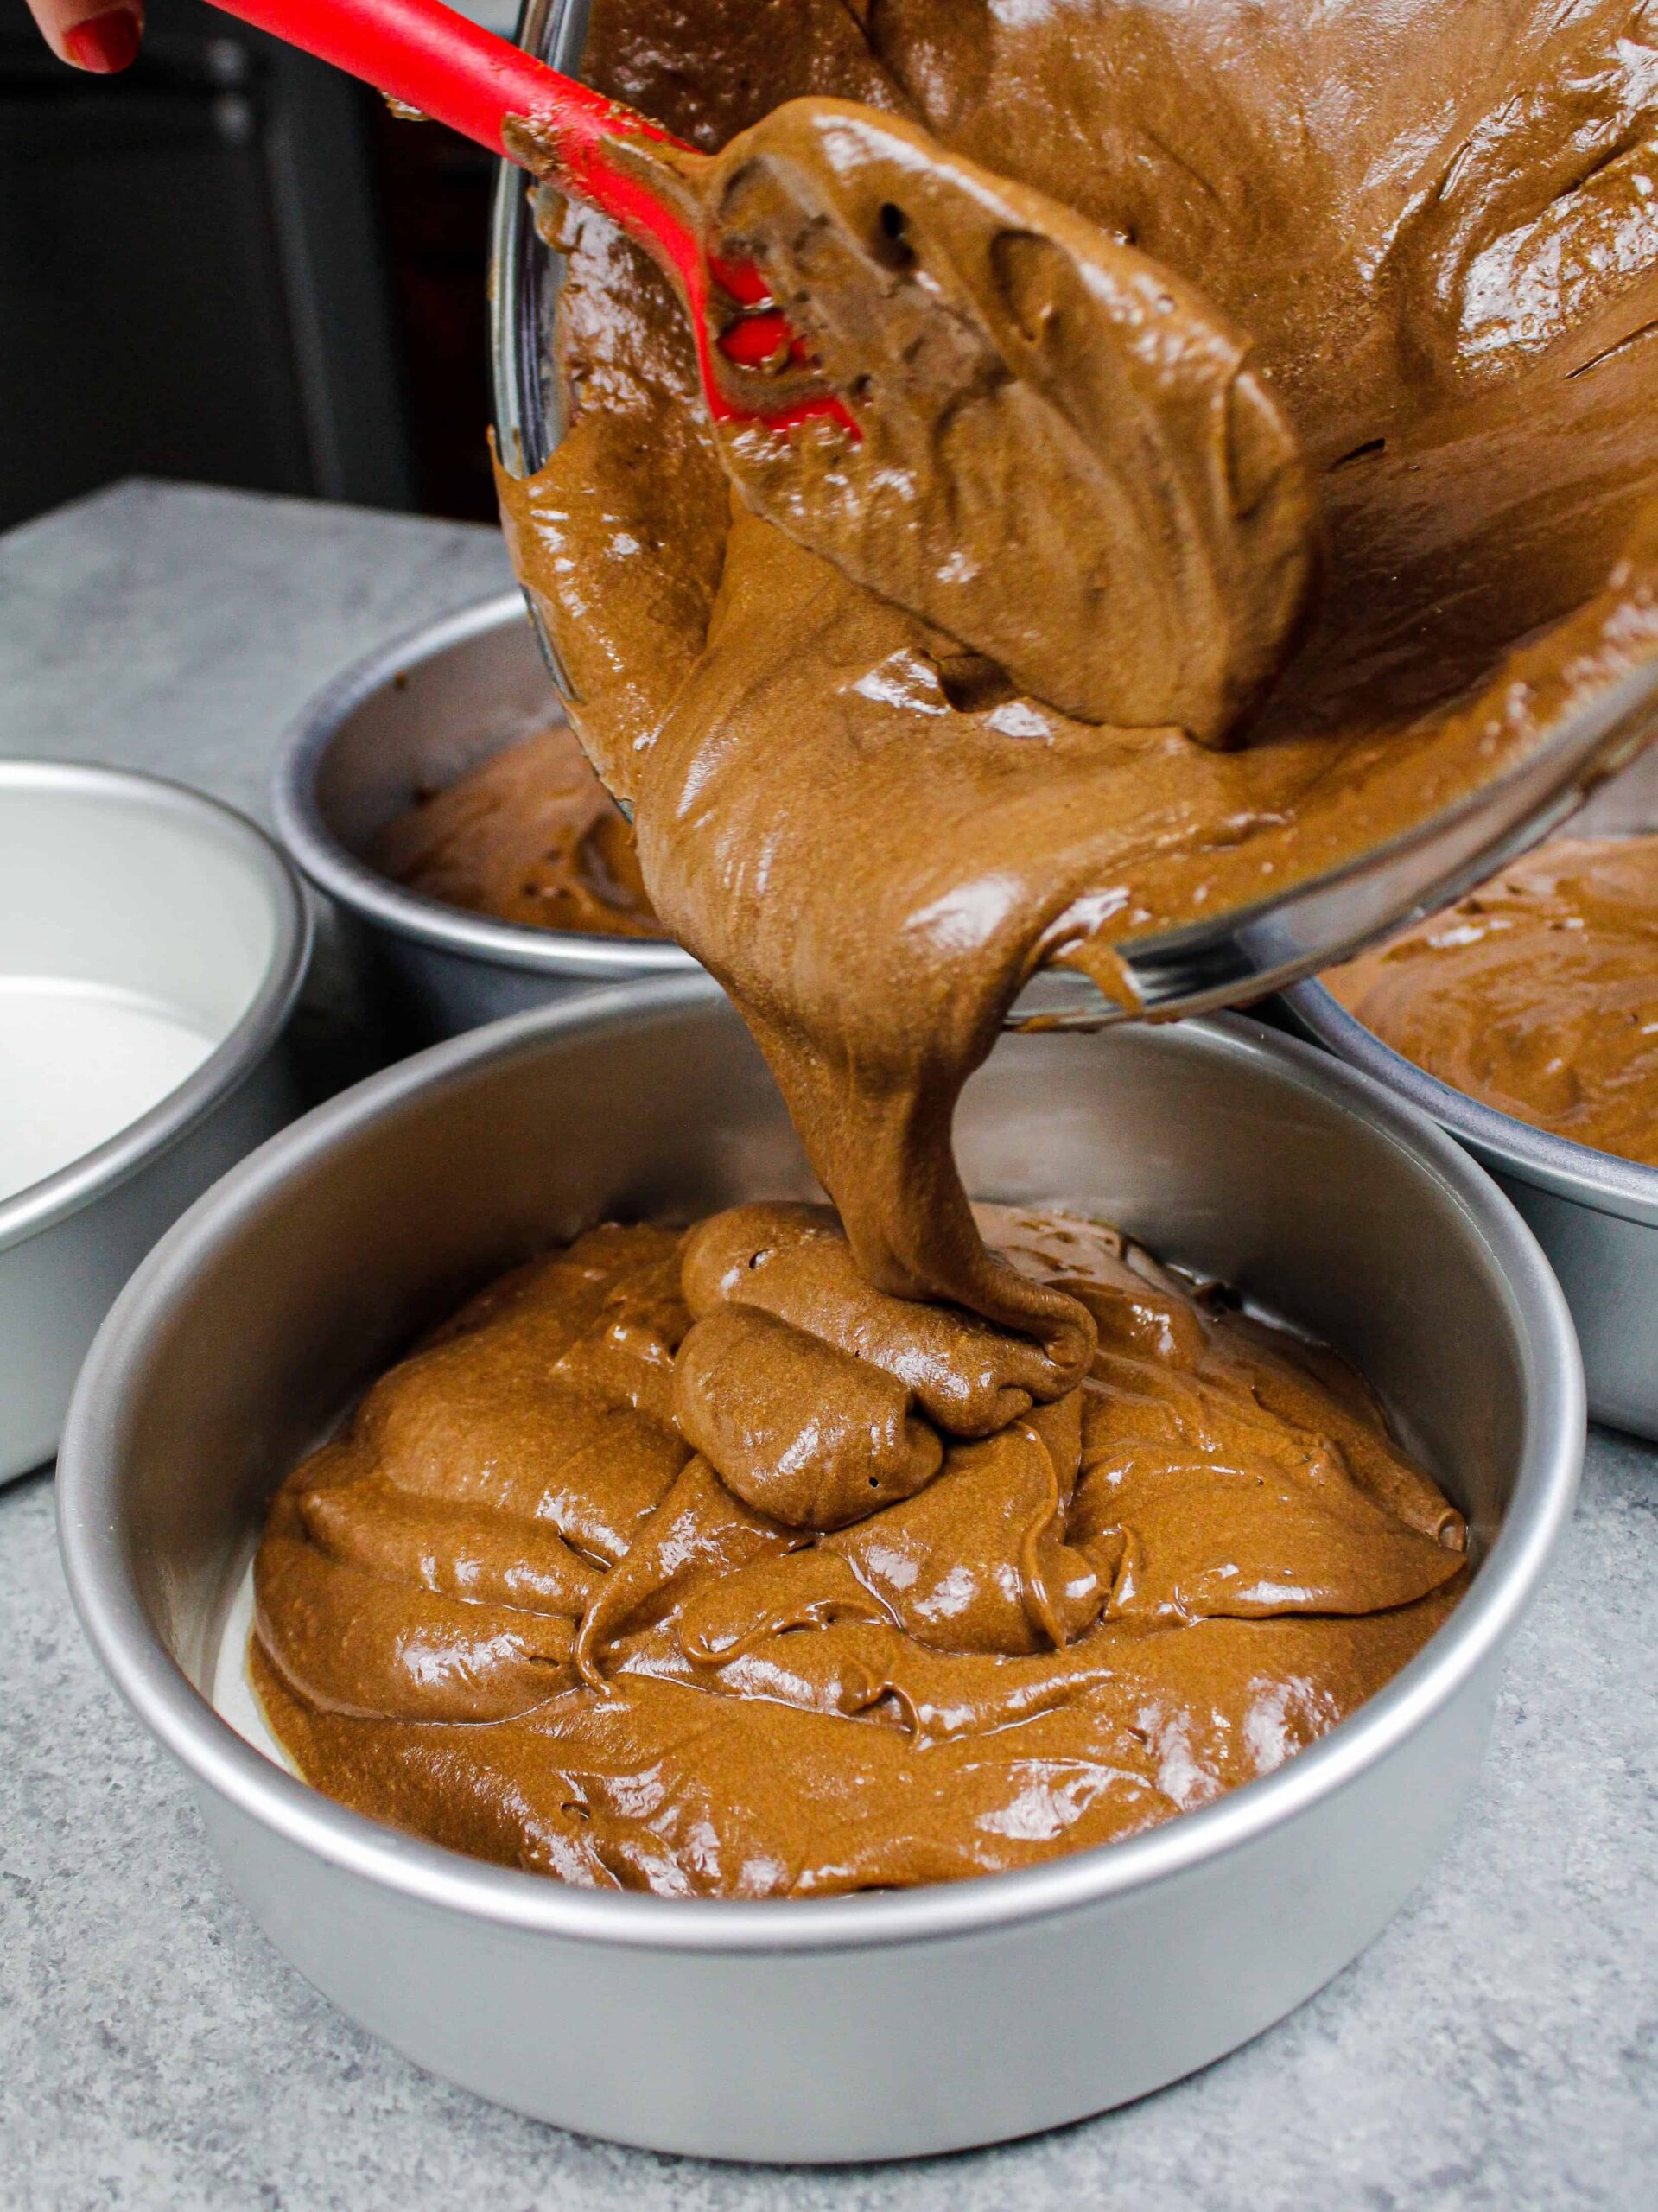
<point>431,58</point>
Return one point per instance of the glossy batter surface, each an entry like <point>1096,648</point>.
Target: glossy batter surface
<point>530,836</point>
<point>688,1562</point>
<point>780,1560</point>
<point>1046,442</point>
<point>1537,994</point>
<point>1434,222</point>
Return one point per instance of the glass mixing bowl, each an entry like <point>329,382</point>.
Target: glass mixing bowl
<point>1229,958</point>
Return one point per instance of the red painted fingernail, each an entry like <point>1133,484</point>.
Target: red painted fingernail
<point>107,42</point>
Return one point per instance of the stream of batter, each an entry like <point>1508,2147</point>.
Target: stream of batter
<point>820,1552</point>
<point>1434,223</point>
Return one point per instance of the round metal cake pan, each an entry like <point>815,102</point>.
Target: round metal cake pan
<point>1594,1215</point>
<point>410,718</point>
<point>117,883</point>
<point>874,2025</point>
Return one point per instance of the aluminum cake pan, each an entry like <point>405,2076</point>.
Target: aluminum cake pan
<point>122,884</point>
<point>1595,1216</point>
<point>415,716</point>
<point>868,2026</point>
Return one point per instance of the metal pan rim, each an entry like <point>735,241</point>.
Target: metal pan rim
<point>328,864</point>
<point>1599,1181</point>
<point>86,1179</point>
<point>221,1762</point>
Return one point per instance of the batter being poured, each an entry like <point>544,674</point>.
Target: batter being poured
<point>1413,266</point>
<point>1043,442</point>
<point>825,1551</point>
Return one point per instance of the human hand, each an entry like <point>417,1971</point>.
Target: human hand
<point>90,35</point>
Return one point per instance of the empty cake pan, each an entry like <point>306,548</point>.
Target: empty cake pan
<point>872,2025</point>
<point>1595,1216</point>
<point>411,718</point>
<point>151,945</point>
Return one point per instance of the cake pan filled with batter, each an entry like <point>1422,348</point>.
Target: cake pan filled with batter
<point>1595,1214</point>
<point>151,947</point>
<point>402,726</point>
<point>873,2024</point>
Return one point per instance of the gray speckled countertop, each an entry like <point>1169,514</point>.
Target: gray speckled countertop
<point>1495,2048</point>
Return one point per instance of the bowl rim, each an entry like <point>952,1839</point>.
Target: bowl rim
<point>221,1762</point>
<point>1599,1181</point>
<point>330,864</point>
<point>42,1205</point>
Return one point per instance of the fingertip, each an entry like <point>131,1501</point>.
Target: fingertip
<point>107,43</point>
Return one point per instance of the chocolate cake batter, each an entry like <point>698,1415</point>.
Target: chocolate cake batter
<point>530,836</point>
<point>1010,391</point>
<point>691,1563</point>
<point>1538,993</point>
<point>1436,223</point>
<point>783,1560</point>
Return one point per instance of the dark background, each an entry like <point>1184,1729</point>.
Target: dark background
<point>232,264</point>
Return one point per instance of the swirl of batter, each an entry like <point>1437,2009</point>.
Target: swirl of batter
<point>690,1563</point>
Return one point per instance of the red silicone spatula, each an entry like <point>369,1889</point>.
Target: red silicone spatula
<point>1028,432</point>
<point>428,58</point>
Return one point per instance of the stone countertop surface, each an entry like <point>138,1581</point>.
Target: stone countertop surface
<point>1495,2048</point>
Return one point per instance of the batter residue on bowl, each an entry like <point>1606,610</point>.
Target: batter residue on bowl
<point>1537,994</point>
<point>530,836</point>
<point>689,1562</point>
